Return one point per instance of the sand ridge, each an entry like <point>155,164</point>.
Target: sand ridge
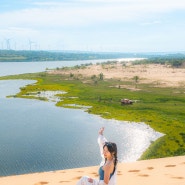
<point>163,171</point>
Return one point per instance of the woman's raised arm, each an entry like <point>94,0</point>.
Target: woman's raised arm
<point>101,142</point>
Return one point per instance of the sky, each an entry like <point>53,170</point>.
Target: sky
<point>93,25</point>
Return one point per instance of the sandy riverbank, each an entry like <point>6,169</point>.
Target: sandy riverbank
<point>164,171</point>
<point>157,74</point>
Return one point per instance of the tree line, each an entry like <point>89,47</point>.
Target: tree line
<point>176,59</point>
<point>173,60</point>
<point>25,55</point>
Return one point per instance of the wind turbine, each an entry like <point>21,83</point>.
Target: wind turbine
<point>8,43</point>
<point>30,44</point>
<point>2,45</point>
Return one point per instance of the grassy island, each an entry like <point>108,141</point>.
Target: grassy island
<point>158,101</point>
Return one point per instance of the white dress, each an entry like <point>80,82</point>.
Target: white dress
<point>84,179</point>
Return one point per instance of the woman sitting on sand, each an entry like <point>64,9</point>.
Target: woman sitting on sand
<point>107,170</point>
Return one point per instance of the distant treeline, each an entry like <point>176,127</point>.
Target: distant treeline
<point>26,56</point>
<point>175,59</point>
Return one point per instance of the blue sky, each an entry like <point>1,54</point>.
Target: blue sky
<point>93,25</point>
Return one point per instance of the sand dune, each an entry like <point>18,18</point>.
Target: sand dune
<point>163,171</point>
<point>157,74</point>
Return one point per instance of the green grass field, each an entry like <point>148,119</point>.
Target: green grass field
<point>161,108</point>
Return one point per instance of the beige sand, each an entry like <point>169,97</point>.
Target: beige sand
<point>163,171</point>
<point>159,75</point>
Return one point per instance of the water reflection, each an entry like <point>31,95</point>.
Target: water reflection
<point>38,136</point>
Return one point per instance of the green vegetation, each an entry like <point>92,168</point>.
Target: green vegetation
<point>161,108</point>
<point>173,60</point>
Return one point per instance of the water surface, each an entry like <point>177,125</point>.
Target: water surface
<point>11,68</point>
<point>37,136</point>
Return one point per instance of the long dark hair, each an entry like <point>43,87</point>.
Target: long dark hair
<point>112,148</point>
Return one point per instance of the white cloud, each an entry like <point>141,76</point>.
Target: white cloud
<point>156,22</point>
<point>85,12</point>
<point>55,21</point>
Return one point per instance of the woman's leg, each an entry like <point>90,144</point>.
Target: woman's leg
<point>84,181</point>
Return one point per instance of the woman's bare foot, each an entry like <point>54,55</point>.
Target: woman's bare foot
<point>101,131</point>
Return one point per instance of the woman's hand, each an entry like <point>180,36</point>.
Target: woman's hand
<point>101,131</point>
